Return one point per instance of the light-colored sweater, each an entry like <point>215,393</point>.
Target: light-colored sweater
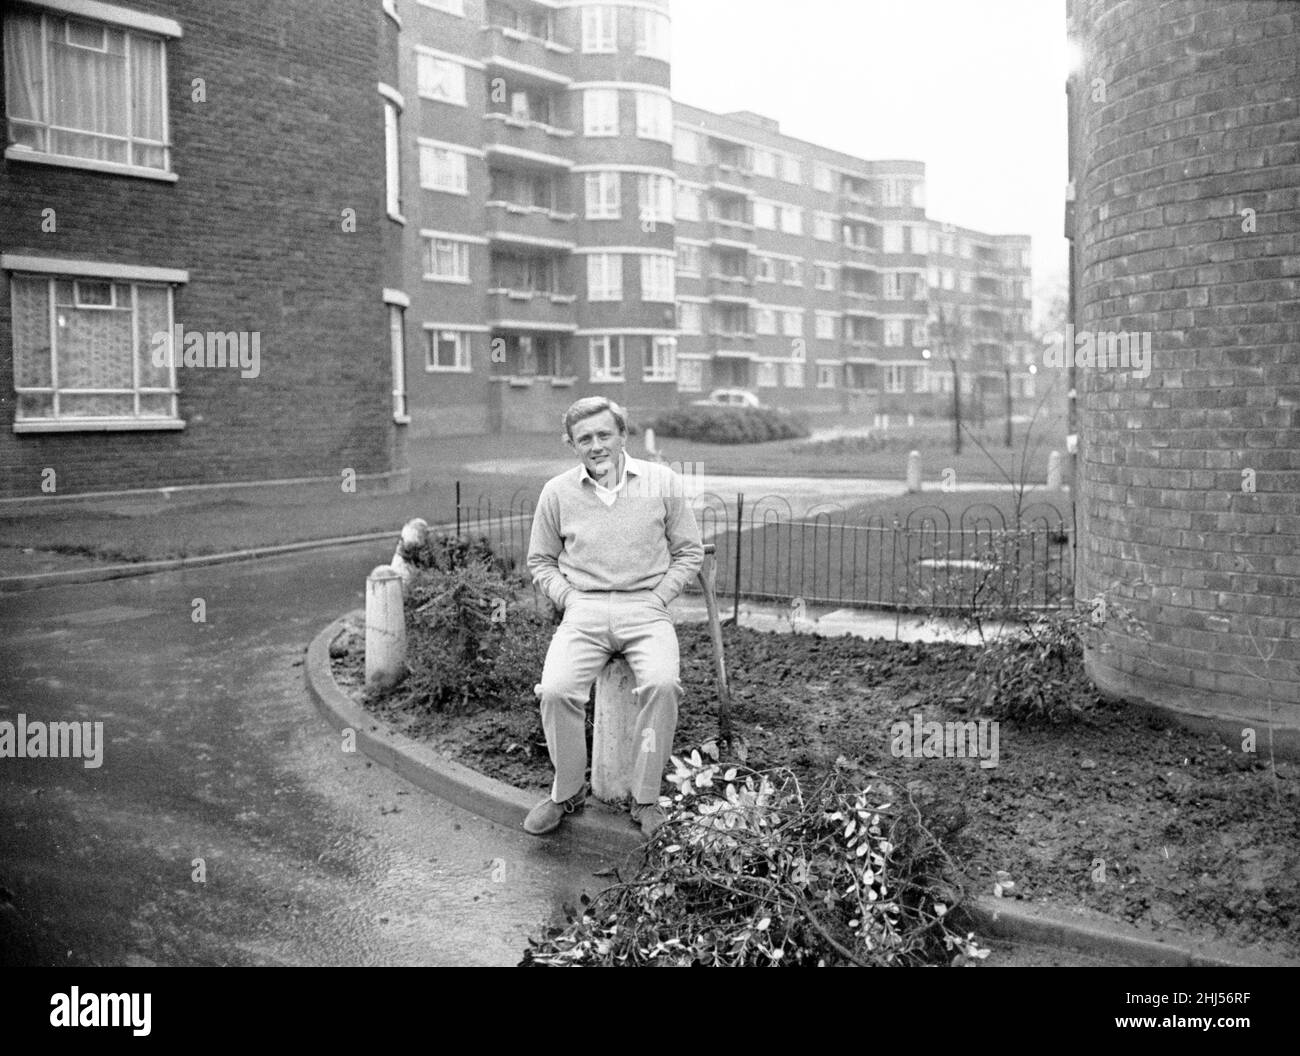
<point>646,540</point>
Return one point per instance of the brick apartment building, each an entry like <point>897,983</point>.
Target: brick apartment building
<point>569,230</point>
<point>215,170</point>
<point>1185,229</point>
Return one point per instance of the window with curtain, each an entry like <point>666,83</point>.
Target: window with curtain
<point>84,348</point>
<point>88,90</point>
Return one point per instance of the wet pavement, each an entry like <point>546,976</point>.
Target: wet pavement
<point>212,750</point>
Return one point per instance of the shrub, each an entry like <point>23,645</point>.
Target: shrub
<point>751,869</point>
<point>729,425</point>
<point>475,638</point>
<point>444,551</point>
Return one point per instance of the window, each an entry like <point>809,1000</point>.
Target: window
<point>690,317</point>
<point>893,286</point>
<point>765,321</point>
<point>826,374</point>
<point>893,333</point>
<point>604,277</point>
<point>452,7</point>
<point>921,379</point>
<point>918,195</point>
<point>654,116</point>
<point>791,169</point>
<point>519,273</point>
<point>825,278</point>
<point>655,198</point>
<point>765,215</point>
<point>604,196</point>
<point>966,250</point>
<point>392,160</point>
<point>90,349</point>
<point>792,323</point>
<point>440,79</point>
<point>920,239</point>
<point>893,238</point>
<point>689,259</point>
<point>947,275</point>
<point>792,272</point>
<point>765,269</point>
<point>86,90</point>
<point>919,334</point>
<point>446,260</point>
<point>599,29</point>
<point>606,359</point>
<point>444,169</point>
<point>919,287</point>
<point>895,378</point>
<point>965,280</point>
<point>661,359</point>
<point>793,375</point>
<point>690,375</point>
<point>824,226</point>
<point>447,351</point>
<point>825,326</point>
<point>686,146</point>
<point>653,35</point>
<point>823,177</point>
<point>934,278</point>
<point>688,203</point>
<point>657,278</point>
<point>767,375</point>
<point>764,163</point>
<point>893,191</point>
<point>792,220</point>
<point>397,345</point>
<point>600,111</point>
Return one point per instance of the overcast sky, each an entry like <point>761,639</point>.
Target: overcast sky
<point>974,88</point>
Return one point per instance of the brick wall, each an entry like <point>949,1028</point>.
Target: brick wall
<point>1187,115</point>
<point>290,135</point>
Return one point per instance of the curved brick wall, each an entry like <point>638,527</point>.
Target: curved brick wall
<point>1184,116</point>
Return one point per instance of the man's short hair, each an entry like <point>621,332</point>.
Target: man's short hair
<point>589,406</point>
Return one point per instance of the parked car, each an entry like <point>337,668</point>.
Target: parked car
<point>729,398</point>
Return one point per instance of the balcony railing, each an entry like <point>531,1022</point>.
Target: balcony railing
<point>547,145</point>
<point>530,225</point>
<point>547,310</point>
<point>549,59</point>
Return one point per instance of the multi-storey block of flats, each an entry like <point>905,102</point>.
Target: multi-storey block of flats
<point>536,187</point>
<point>570,230</point>
<point>192,239</point>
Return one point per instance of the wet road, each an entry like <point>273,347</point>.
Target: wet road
<point>213,750</point>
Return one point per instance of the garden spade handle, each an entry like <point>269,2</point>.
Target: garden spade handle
<point>708,581</point>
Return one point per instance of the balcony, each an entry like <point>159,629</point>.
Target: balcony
<point>526,143</point>
<point>532,310</point>
<point>731,177</point>
<point>727,231</point>
<point>529,225</point>
<point>860,204</point>
<point>526,57</point>
<point>855,255</point>
<point>736,288</point>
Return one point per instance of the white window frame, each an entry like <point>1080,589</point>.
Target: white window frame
<point>792,272</point>
<point>136,28</point>
<point>828,274</point>
<point>792,322</point>
<point>764,163</point>
<point>655,198</point>
<point>695,312</point>
<point>893,286</point>
<point>656,42</point>
<point>895,378</point>
<point>50,274</point>
<point>765,215</point>
<point>658,278</point>
<point>765,269</point>
<point>793,376</point>
<point>463,341</point>
<point>823,177</point>
<point>606,203</point>
<point>654,116</point>
<point>824,227</point>
<point>661,359</point>
<point>607,358</point>
<point>791,220</point>
<point>427,67</point>
<point>397,346</point>
<point>765,321</point>
<point>434,169</point>
<point>921,379</point>
<point>600,112</point>
<point>460,259</point>
<point>791,169</point>
<point>766,376</point>
<point>891,238</point>
<point>688,195</point>
<point>693,264</point>
<point>600,29</point>
<point>690,375</point>
<point>893,335</point>
<point>681,151</point>
<point>826,375</point>
<point>604,277</point>
<point>393,160</point>
<point>920,333</point>
<point>825,326</point>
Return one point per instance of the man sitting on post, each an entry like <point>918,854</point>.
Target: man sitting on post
<point>613,542</point>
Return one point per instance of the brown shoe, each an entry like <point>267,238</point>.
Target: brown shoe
<point>649,816</point>
<point>547,815</point>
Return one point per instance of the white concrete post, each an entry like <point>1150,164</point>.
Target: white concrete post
<point>914,471</point>
<point>613,747</point>
<point>911,419</point>
<point>385,629</point>
<point>1054,471</point>
<point>650,442</point>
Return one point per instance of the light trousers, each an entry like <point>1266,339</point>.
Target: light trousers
<point>595,626</point>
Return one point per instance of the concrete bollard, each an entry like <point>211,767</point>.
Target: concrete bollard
<point>613,744</point>
<point>650,447</point>
<point>1054,471</point>
<point>914,471</point>
<point>385,629</point>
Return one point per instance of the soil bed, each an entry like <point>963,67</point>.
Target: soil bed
<point>1161,827</point>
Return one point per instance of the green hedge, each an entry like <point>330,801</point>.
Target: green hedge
<point>729,425</point>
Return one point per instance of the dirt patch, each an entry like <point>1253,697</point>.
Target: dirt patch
<point>1160,827</point>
